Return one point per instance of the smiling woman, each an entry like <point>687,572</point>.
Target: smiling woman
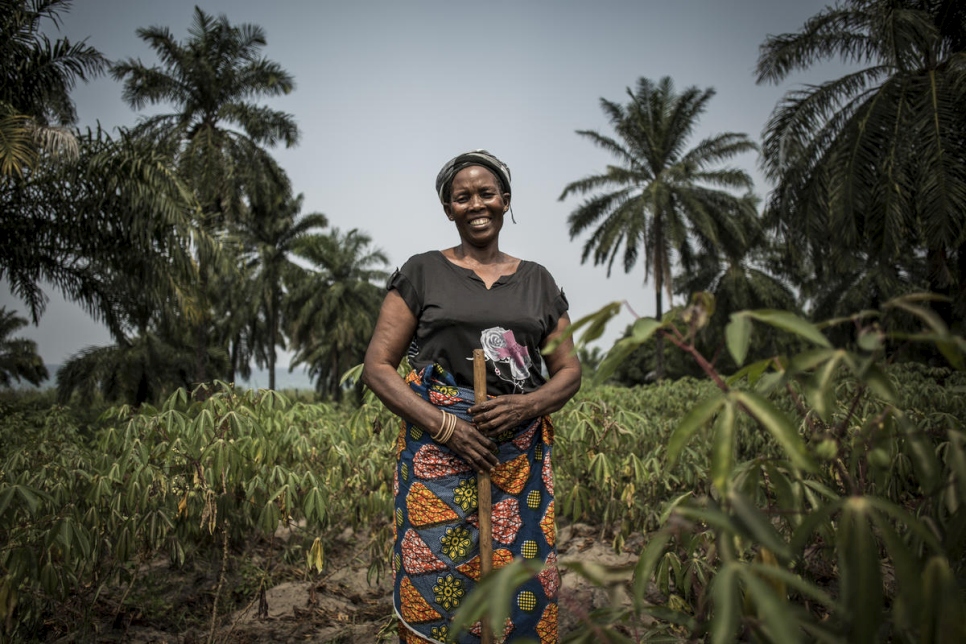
<point>441,306</point>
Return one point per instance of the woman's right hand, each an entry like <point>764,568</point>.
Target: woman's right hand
<point>475,448</point>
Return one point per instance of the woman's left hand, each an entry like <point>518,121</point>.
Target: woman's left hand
<point>497,415</point>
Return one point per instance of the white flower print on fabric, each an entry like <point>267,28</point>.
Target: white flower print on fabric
<point>501,347</point>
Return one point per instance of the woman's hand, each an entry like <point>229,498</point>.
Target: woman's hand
<point>475,448</point>
<point>497,415</point>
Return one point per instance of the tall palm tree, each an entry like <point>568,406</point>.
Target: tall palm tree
<point>741,273</point>
<point>37,76</point>
<point>110,229</point>
<point>83,221</point>
<point>738,271</point>
<point>665,197</point>
<point>217,131</point>
<point>272,234</point>
<point>18,356</point>
<point>332,307</point>
<point>145,368</point>
<point>873,164</point>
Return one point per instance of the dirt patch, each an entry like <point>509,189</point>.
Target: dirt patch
<point>346,604</point>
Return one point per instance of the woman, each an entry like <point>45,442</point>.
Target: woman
<point>440,307</point>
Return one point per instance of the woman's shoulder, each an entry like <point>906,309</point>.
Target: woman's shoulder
<point>535,270</point>
<point>426,257</point>
<point>421,261</point>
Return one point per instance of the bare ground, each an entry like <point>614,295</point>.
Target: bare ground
<point>342,605</point>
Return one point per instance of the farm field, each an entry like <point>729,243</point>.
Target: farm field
<point>250,517</point>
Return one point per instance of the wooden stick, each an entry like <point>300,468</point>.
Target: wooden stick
<point>484,499</point>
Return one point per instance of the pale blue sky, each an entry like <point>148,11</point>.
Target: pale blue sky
<point>386,91</point>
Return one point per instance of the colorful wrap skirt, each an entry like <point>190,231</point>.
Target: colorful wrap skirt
<point>436,555</point>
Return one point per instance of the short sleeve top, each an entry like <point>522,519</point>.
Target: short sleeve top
<point>456,314</point>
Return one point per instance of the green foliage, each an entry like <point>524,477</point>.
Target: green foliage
<point>37,78</point>
<point>844,522</point>
<point>869,171</point>
<point>810,496</point>
<point>666,200</point>
<point>18,356</point>
<point>79,514</point>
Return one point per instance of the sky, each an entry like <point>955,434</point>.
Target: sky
<point>388,90</point>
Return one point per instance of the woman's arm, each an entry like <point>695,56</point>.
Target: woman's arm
<point>393,333</point>
<point>506,412</point>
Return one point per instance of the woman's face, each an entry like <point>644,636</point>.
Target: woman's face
<point>477,205</point>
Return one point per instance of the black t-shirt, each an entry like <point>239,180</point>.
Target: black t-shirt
<point>456,314</point>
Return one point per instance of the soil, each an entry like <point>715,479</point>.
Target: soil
<point>343,605</point>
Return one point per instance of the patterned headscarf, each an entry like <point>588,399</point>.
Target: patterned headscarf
<point>476,157</point>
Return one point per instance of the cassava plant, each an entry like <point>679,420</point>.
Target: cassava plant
<point>191,478</point>
<point>847,525</point>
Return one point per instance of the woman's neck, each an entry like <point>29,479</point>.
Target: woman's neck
<point>483,256</point>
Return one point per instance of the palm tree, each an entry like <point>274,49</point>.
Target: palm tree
<point>37,76</point>
<point>873,164</point>
<point>272,234</point>
<point>666,198</point>
<point>110,229</point>
<point>217,130</point>
<point>146,368</point>
<point>83,221</point>
<point>18,356</point>
<point>739,271</point>
<point>333,309</point>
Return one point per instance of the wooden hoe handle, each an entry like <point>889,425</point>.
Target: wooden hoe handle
<point>484,499</point>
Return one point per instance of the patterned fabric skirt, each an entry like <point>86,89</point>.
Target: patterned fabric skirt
<point>436,556</point>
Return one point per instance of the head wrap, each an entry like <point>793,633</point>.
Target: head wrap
<point>476,157</point>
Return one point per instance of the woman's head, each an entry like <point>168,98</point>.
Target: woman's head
<point>482,158</point>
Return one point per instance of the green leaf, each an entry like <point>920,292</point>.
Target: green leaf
<point>812,521</point>
<point>666,513</point>
<point>956,461</point>
<point>714,517</point>
<point>595,322</point>
<point>778,425</point>
<point>920,450</point>
<point>757,525</point>
<point>858,561</point>
<point>646,563</point>
<point>699,415</point>
<point>752,371</point>
<point>613,359</point>
<point>942,617</point>
<point>793,324</point>
<point>907,570</point>
<point>737,336</point>
<point>776,615</point>
<point>29,496</point>
<point>723,450</point>
<point>644,328</point>
<point>792,580</point>
<point>808,360</point>
<point>726,596</point>
<point>906,518</point>
<point>880,384</point>
<point>821,387</point>
<point>641,332</point>
<point>492,597</point>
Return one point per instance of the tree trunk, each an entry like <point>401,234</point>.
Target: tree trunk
<point>233,358</point>
<point>273,340</point>
<point>659,260</point>
<point>659,337</point>
<point>201,329</point>
<point>959,291</point>
<point>336,389</point>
